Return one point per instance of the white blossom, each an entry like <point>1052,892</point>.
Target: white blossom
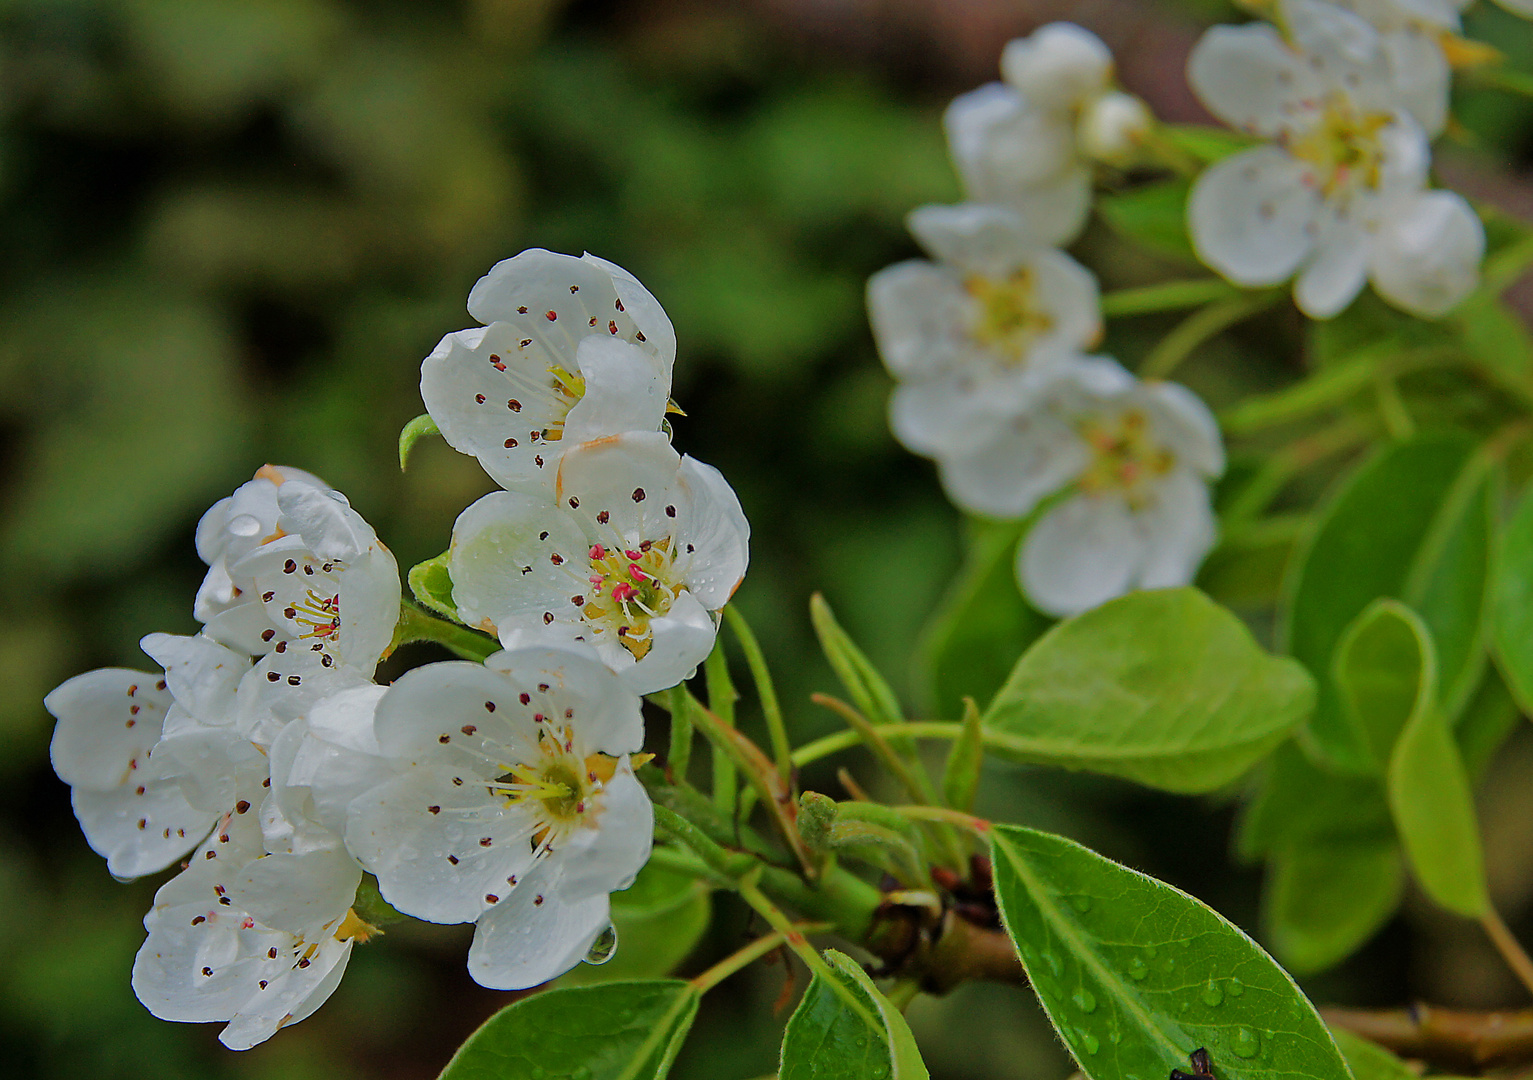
<point>573,350</point>
<point>1339,194</point>
<point>257,942</point>
<point>633,553</point>
<point>516,808</point>
<point>969,335</point>
<point>1030,142</point>
<point>1130,459</point>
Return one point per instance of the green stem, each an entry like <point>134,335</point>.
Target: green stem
<point>1280,468</point>
<point>782,749</point>
<point>721,699</point>
<point>417,625</point>
<point>743,958</point>
<point>1328,388</point>
<point>680,754</point>
<point>1199,327</point>
<point>1504,79</point>
<point>1166,296</point>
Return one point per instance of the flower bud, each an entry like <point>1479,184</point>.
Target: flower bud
<point>1114,127</point>
<point>1058,66</point>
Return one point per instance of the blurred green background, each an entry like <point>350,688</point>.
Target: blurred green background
<point>230,229</point>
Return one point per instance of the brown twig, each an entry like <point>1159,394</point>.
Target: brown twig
<point>1448,1038</point>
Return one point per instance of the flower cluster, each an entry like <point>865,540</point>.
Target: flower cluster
<point>1346,98</point>
<point>500,793</point>
<point>989,339</point>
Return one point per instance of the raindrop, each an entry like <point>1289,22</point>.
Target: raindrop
<point>1151,951</point>
<point>1211,994</point>
<point>1089,1041</point>
<point>1053,962</point>
<point>1081,904</point>
<point>1086,1000</point>
<point>1247,1044</point>
<point>1169,965</point>
<point>877,1071</point>
<point>1235,988</point>
<point>124,879</point>
<point>603,948</point>
<point>1115,1036</point>
<point>1138,970</point>
<point>244,525</point>
<point>582,1072</point>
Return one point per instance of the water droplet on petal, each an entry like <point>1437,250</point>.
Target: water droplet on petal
<point>245,525</point>
<point>603,948</point>
<point>1081,903</point>
<point>1235,987</point>
<point>1086,1000</point>
<point>1211,994</point>
<point>1247,1043</point>
<point>124,879</point>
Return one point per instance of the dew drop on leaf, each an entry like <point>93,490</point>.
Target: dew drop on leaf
<point>877,1071</point>
<point>1247,1043</point>
<point>1081,903</point>
<point>1234,987</point>
<point>1138,970</point>
<point>603,948</point>
<point>1089,1042</point>
<point>1151,951</point>
<point>1053,962</point>
<point>1211,994</point>
<point>1086,1000</point>
<point>582,1072</point>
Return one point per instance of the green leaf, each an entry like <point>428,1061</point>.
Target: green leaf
<point>1165,688</point>
<point>1412,523</point>
<point>844,1029</point>
<point>659,921</point>
<point>1207,144</point>
<point>412,433</point>
<point>1496,337</point>
<point>869,690</point>
<point>1154,216</point>
<point>432,586</point>
<point>1381,673</point>
<point>960,775</point>
<point>982,626</point>
<point>613,1031</point>
<point>1324,899</point>
<point>1369,1060</point>
<point>1135,975</point>
<point>1300,802</point>
<point>1486,722</point>
<point>1511,616</point>
<point>1433,805</point>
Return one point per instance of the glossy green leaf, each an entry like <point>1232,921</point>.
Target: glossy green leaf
<point>1511,621</point>
<point>847,1030</point>
<point>1325,899</point>
<point>613,1031</point>
<point>960,774</point>
<point>869,690</point>
<point>432,586</point>
<point>1380,673</point>
<point>982,626</point>
<point>1154,216</point>
<point>1413,524</point>
<point>1369,1060</point>
<point>1207,144</point>
<point>414,432</point>
<point>1165,688</point>
<point>1433,806</point>
<point>1135,974</point>
<point>659,921</point>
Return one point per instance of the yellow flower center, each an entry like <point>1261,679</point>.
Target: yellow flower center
<point>568,389</point>
<point>1125,456</point>
<point>1008,318</point>
<point>1344,148</point>
<point>629,587</point>
<point>558,787</point>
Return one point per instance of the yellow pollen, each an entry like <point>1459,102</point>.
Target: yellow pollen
<point>1008,318</point>
<point>629,587</point>
<point>354,927</point>
<point>1343,147</point>
<point>569,388</point>
<point>321,614</point>
<point>1125,456</point>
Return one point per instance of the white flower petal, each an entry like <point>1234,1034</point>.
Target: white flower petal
<point>975,238</point>
<point>961,412</point>
<point>241,627</point>
<point>620,487</point>
<point>644,309</point>
<point>1426,257</point>
<point>1249,77</point>
<point>1058,66</point>
<point>329,526</point>
<point>516,555</point>
<point>297,993</point>
<point>1058,207</point>
<point>534,935</point>
<point>580,295</point>
<point>683,638</point>
<point>1335,272</point>
<point>920,315</point>
<point>624,391</point>
<point>579,690</point>
<point>1249,216</point>
<point>1421,76</point>
<point>1002,145</point>
<point>202,674</point>
<point>108,721</point>
<point>1187,426</point>
<point>712,532</point>
<point>1033,456</point>
<point>607,857</point>
<point>1082,553</point>
<point>140,829</point>
<point>440,844</point>
<point>297,893</point>
<point>1115,128</point>
<point>1179,529</point>
<point>457,715</point>
<point>216,767</point>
